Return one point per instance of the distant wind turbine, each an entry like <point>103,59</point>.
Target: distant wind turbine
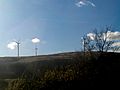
<point>13,45</point>
<point>18,48</point>
<point>36,41</point>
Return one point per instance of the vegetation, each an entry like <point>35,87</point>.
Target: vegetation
<point>102,41</point>
<point>3,84</point>
<point>79,73</point>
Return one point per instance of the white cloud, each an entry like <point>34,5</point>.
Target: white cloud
<point>92,4</point>
<point>109,35</point>
<point>80,4</point>
<point>116,44</point>
<point>12,45</point>
<point>35,40</point>
<point>91,36</point>
<point>114,35</point>
<point>85,3</point>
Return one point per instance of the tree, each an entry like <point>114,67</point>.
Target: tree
<point>102,41</point>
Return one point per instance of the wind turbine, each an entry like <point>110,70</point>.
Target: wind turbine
<point>36,41</point>
<point>13,45</point>
<point>18,48</point>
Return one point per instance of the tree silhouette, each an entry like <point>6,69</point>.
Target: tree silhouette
<point>101,41</point>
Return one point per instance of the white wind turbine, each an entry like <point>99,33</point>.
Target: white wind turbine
<point>35,41</point>
<point>13,45</point>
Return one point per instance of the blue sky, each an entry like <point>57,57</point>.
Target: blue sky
<point>59,24</point>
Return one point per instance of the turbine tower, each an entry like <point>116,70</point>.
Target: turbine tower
<point>35,41</point>
<point>36,49</point>
<point>18,48</point>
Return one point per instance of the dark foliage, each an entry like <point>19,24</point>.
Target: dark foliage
<point>91,73</point>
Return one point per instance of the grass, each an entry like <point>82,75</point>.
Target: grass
<point>61,74</point>
<point>3,84</point>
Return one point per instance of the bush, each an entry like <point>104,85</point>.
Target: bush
<point>59,78</point>
<point>77,74</point>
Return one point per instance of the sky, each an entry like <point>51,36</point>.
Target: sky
<point>58,24</point>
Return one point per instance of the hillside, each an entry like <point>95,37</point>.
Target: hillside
<point>66,55</point>
<point>11,67</point>
<point>86,70</point>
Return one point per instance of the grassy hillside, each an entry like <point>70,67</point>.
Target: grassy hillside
<point>11,68</point>
<point>61,71</point>
<point>11,65</point>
